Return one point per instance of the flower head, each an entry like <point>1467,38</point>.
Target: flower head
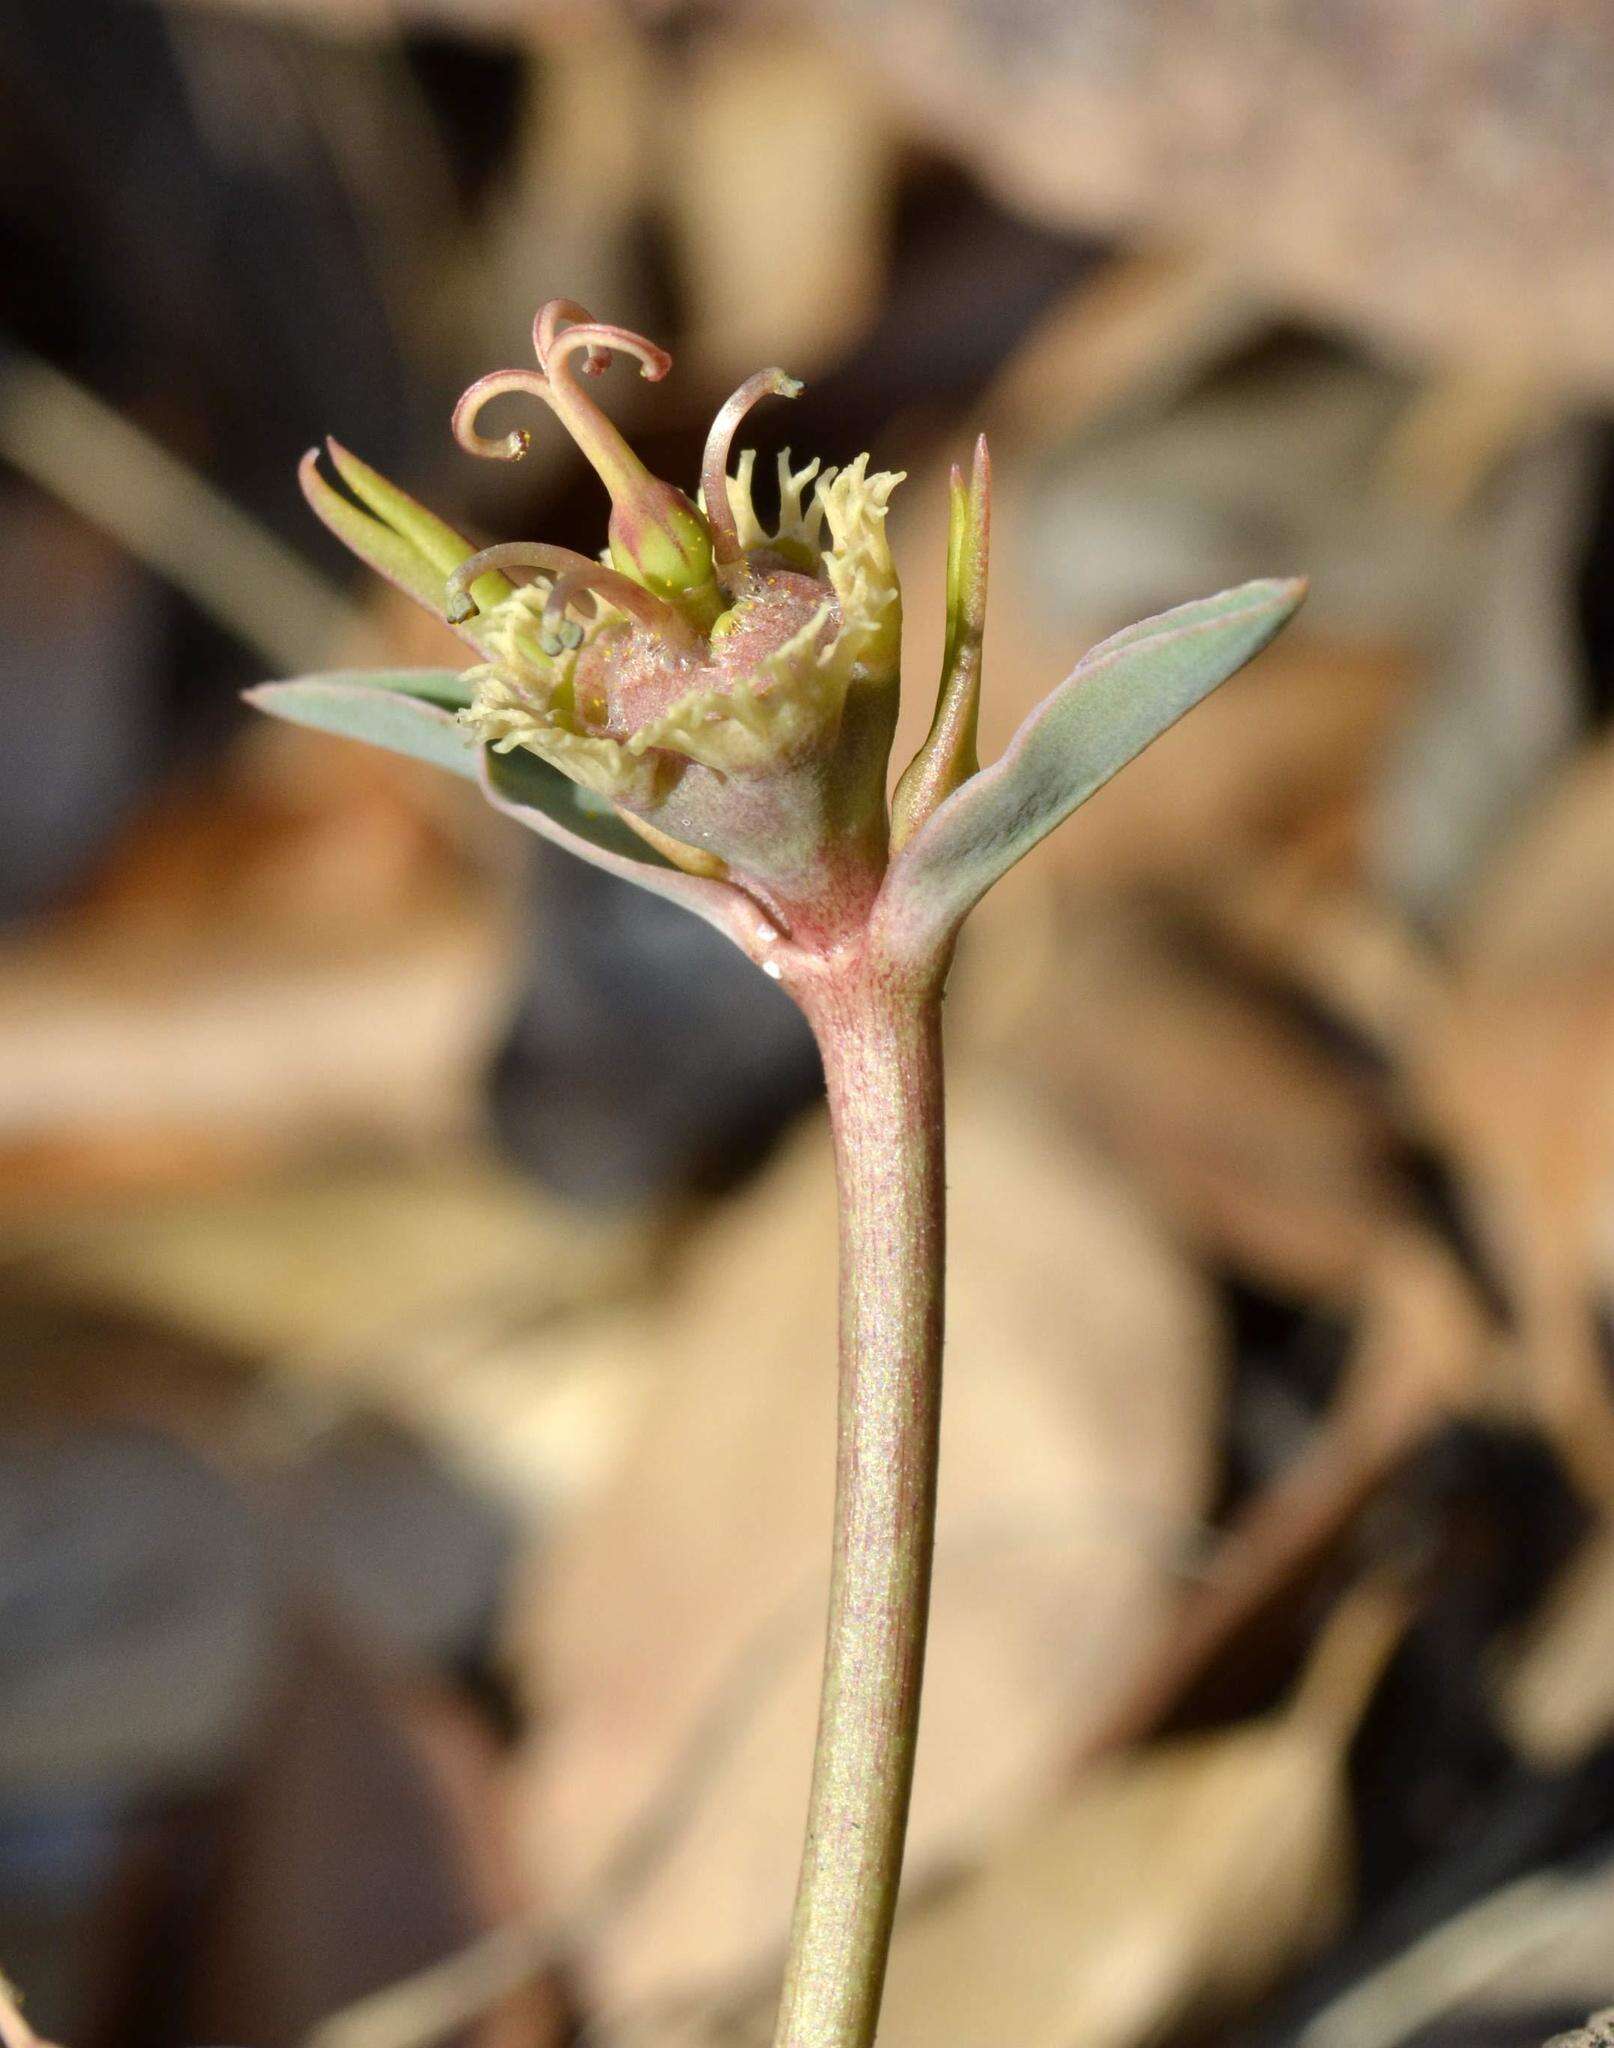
<point>717,695</point>
<point>729,687</point>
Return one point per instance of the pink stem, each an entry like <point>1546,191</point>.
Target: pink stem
<point>881,1042</point>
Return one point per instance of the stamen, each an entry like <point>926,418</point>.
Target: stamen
<point>506,447</point>
<point>561,639</point>
<point>726,549</point>
<point>508,554</point>
<point>593,579</point>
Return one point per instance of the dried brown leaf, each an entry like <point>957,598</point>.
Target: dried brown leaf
<point>1197,1869</point>
<point>1133,334</point>
<point>772,112</point>
<point>1178,1881</point>
<point>428,1289</point>
<point>1315,160</point>
<point>340,1263</point>
<point>1540,1943</point>
<point>1557,1695</point>
<point>356,1772</point>
<point>1545,910</point>
<point>1514,1074</point>
<point>1420,1352</point>
<point>1504,702</point>
<point>209,983</point>
<point>1218,1099</point>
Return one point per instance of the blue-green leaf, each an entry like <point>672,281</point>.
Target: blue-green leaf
<point>521,778</point>
<point>589,834</point>
<point>1118,698</point>
<point>412,711</point>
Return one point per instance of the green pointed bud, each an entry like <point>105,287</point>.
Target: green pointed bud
<point>948,758</point>
<point>392,531</point>
<point>662,540</point>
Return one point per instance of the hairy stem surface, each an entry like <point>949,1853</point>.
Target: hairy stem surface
<point>882,1056</point>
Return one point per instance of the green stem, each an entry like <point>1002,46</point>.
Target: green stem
<point>881,1044</point>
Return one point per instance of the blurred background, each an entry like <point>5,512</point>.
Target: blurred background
<point>417,1252</point>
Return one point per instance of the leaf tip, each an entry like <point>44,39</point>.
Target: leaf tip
<point>1285,596</point>
<point>346,464</point>
<point>1289,593</point>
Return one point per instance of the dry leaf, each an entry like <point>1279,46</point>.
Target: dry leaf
<point>336,1267</point>
<point>1520,1092</point>
<point>1295,921</point>
<point>1318,161</point>
<point>1420,1352</point>
<point>355,1773</point>
<point>1557,1696</point>
<point>1506,693</point>
<point>1539,1944</point>
<point>209,986</point>
<point>1514,1075</point>
<point>1169,1884</point>
<point>429,1291</point>
<point>1134,334</point>
<point>94,1040</point>
<point>700,1577</point>
<point>771,111</point>
<point>1218,1099</point>
<point>1544,910</point>
<point>1197,1869</point>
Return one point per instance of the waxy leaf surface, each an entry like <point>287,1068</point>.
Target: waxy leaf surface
<point>412,711</point>
<point>1118,698</point>
<point>408,711</point>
